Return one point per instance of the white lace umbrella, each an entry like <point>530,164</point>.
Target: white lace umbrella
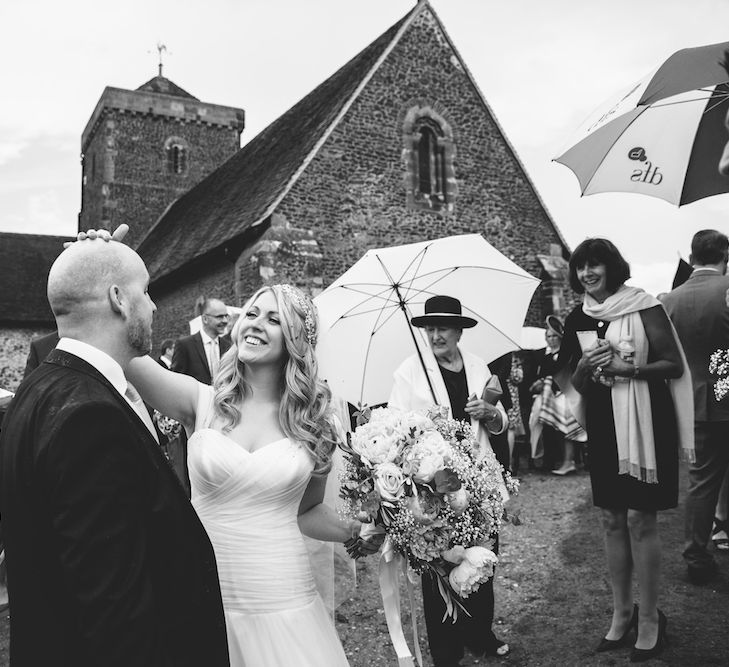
<point>365,314</point>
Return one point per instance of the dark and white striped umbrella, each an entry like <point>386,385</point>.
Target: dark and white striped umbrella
<point>664,136</point>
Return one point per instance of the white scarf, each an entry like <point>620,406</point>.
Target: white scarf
<point>631,400</point>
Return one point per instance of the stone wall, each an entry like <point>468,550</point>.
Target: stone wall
<point>353,194</point>
<point>14,348</point>
<point>125,168</point>
<point>176,305</point>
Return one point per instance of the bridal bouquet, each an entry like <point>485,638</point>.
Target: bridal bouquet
<point>719,366</point>
<point>421,479</point>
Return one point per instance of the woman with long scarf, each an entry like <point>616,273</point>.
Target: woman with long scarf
<point>633,394</point>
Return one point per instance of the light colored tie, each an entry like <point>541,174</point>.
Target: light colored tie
<point>214,358</point>
<point>138,404</point>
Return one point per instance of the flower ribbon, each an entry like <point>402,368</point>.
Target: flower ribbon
<point>391,563</point>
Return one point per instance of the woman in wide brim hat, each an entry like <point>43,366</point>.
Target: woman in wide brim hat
<point>456,379</point>
<point>444,311</point>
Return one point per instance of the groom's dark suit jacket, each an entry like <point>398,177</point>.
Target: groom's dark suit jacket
<point>108,564</point>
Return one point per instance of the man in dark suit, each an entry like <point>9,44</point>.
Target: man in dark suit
<point>40,348</point>
<point>108,564</point>
<point>199,354</point>
<point>167,350</point>
<point>699,311</point>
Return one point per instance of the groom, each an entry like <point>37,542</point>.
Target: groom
<point>107,561</point>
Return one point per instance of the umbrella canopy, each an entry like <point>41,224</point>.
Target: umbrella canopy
<point>532,338</point>
<point>365,314</point>
<point>662,137</point>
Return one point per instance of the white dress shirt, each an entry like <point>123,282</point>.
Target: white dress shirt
<point>212,352</point>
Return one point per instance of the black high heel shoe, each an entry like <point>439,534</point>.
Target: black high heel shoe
<point>612,644</point>
<point>643,654</point>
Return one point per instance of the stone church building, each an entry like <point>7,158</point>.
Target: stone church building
<point>399,145</point>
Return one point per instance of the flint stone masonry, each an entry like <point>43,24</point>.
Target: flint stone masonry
<point>353,196</point>
<point>125,174</point>
<point>14,348</point>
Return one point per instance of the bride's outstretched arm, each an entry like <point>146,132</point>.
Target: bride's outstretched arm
<point>320,521</point>
<point>173,394</point>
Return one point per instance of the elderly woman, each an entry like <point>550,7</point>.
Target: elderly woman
<point>457,379</point>
<point>633,384</point>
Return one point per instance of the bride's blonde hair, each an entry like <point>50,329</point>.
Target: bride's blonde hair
<point>304,412</point>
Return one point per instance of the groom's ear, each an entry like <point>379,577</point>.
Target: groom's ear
<point>116,299</point>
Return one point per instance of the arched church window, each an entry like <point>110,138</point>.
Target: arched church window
<point>429,152</point>
<point>177,155</point>
<point>431,160</point>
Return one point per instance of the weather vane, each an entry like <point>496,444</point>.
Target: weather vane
<point>160,49</point>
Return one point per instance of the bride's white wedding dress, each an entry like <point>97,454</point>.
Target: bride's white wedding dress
<point>248,503</point>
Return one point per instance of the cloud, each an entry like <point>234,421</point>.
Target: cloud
<point>653,278</point>
<point>40,184</point>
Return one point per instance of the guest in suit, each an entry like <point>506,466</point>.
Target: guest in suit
<point>699,311</point>
<point>454,378</point>
<point>167,350</point>
<point>198,355</point>
<point>40,348</point>
<point>108,564</point>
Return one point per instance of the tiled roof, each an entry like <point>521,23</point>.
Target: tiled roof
<point>161,85</point>
<point>25,260</point>
<point>241,192</point>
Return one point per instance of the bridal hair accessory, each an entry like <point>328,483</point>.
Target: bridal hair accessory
<point>307,306</point>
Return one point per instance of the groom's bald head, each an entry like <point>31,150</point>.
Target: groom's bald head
<point>80,279</point>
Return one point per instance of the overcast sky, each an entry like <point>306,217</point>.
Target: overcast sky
<point>543,66</point>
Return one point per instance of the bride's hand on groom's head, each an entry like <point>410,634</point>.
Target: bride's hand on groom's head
<point>118,235</point>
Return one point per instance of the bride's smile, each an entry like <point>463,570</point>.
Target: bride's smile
<point>260,338</point>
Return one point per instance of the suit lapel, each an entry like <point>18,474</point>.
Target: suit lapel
<point>151,446</point>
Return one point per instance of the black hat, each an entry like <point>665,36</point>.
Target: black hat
<point>444,311</point>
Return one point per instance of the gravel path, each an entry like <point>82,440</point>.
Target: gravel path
<point>552,597</point>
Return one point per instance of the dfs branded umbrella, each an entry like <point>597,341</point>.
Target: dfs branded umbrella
<point>663,136</point>
<point>365,313</point>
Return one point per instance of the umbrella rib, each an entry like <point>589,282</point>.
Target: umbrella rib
<point>657,105</point>
<point>369,296</point>
<point>415,274</point>
<point>507,272</point>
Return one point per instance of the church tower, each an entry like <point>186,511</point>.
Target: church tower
<point>143,148</point>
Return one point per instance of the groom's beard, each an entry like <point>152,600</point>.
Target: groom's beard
<point>139,335</point>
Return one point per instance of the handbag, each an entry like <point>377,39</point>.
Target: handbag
<point>492,392</point>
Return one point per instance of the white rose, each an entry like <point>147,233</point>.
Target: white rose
<point>426,457</point>
<point>389,481</point>
<point>475,568</point>
<point>375,444</point>
<point>458,500</point>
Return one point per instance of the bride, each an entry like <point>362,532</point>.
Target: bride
<point>261,446</point>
